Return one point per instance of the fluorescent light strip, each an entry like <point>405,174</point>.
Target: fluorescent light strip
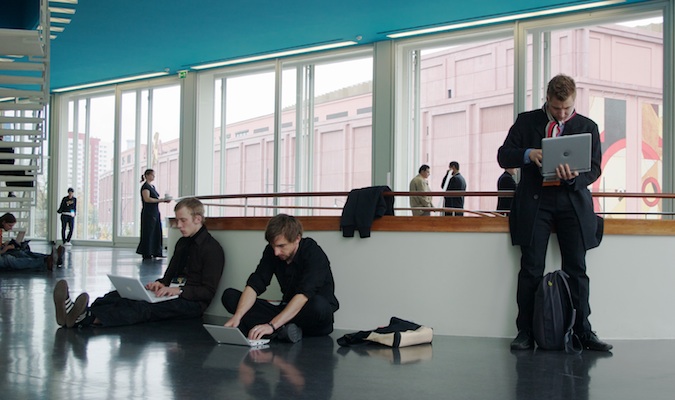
<point>274,55</point>
<point>503,19</point>
<point>56,28</point>
<point>64,1</point>
<point>110,82</point>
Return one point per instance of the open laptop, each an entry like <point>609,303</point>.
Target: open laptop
<point>20,236</point>
<point>133,289</point>
<point>228,335</point>
<point>574,150</point>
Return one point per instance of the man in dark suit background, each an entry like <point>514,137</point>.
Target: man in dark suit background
<point>564,203</point>
<point>506,182</point>
<point>456,183</point>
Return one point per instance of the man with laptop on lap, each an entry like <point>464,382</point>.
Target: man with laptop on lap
<point>306,281</point>
<point>194,269</point>
<point>563,203</point>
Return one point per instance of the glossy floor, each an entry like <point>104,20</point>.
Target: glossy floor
<point>178,359</point>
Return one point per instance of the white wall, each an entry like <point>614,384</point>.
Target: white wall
<point>465,283</point>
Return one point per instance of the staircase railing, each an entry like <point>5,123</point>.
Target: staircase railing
<point>24,95</point>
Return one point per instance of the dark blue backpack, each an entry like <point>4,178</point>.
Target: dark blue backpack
<point>554,315</point>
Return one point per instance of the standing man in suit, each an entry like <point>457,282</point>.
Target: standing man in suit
<point>420,184</point>
<point>506,182</point>
<point>564,204</point>
<point>456,183</point>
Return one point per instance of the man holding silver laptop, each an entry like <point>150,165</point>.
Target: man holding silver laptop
<point>563,202</point>
<point>197,264</point>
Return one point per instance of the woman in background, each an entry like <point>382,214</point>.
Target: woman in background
<point>151,223</point>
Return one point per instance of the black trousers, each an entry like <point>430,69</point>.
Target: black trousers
<point>114,310</point>
<point>315,318</point>
<point>555,210</point>
<point>67,221</point>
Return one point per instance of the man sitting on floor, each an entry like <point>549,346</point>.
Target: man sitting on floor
<point>198,261</point>
<point>306,281</point>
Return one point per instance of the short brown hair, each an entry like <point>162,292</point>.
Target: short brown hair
<point>561,87</point>
<point>283,224</point>
<point>191,203</point>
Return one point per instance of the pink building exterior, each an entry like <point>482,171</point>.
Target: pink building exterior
<point>466,111</point>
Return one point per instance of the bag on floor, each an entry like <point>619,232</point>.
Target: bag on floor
<point>399,333</point>
<point>554,315</point>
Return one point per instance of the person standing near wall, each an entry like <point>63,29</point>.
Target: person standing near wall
<point>506,182</point>
<point>455,184</point>
<point>540,206</point>
<point>420,184</point>
<point>68,209</point>
<point>151,223</point>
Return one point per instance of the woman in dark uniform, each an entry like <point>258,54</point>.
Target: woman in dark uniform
<point>151,224</point>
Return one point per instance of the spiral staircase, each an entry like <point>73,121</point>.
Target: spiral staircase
<point>24,96</point>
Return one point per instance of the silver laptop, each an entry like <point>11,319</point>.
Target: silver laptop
<point>574,150</point>
<point>133,289</point>
<point>20,236</point>
<point>228,335</point>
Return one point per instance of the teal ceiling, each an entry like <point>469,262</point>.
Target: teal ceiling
<point>115,38</point>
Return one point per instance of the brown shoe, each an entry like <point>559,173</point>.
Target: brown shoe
<point>61,297</point>
<point>79,307</point>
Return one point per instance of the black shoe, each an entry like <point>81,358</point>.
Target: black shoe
<point>147,257</point>
<point>60,251</point>
<point>590,341</point>
<point>523,341</point>
<point>289,333</point>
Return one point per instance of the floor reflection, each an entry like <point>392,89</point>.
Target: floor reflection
<point>555,375</point>
<point>180,360</point>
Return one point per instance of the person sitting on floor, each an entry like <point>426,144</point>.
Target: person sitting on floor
<point>306,281</point>
<point>198,261</point>
<point>13,257</point>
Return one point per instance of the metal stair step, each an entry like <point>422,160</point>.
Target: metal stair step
<point>11,145</point>
<point>22,132</point>
<point>34,94</point>
<point>7,105</point>
<point>20,80</point>
<point>22,66</point>
<point>20,42</point>
<point>20,120</point>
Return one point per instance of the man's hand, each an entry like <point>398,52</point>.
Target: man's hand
<point>563,172</point>
<point>259,331</point>
<point>167,291</point>
<point>232,322</point>
<point>154,286</point>
<point>536,156</point>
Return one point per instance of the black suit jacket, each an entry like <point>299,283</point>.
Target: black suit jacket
<point>527,132</point>
<point>505,182</point>
<point>457,183</point>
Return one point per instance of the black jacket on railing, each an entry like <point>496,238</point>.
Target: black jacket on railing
<point>362,207</point>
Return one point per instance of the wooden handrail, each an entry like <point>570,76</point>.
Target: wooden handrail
<point>504,193</point>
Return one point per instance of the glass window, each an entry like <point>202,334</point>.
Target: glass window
<point>326,102</point>
<point>89,151</point>
<point>618,68</point>
<point>149,134</point>
<point>457,105</point>
<point>334,124</point>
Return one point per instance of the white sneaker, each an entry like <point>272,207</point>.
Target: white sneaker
<point>67,244</point>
